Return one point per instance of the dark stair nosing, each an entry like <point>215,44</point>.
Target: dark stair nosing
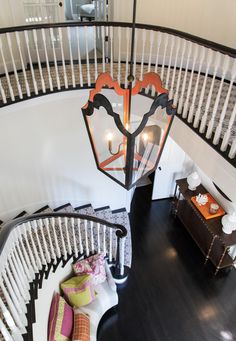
<point>61,207</point>
<point>21,214</point>
<point>55,265</point>
<point>83,207</point>
<point>102,208</point>
<point>47,272</point>
<point>42,209</point>
<point>119,210</point>
<point>65,261</point>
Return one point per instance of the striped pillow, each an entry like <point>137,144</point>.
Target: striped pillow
<point>79,290</point>
<point>60,323</point>
<point>81,330</point>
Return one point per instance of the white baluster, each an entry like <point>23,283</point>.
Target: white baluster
<point>79,58</point>
<point>183,49</point>
<point>53,255</point>
<point>4,99</point>
<point>192,106</point>
<point>144,35</point>
<point>92,236</point>
<point>47,62</point>
<point>198,112</point>
<point>18,41</point>
<point>67,236</point>
<point>72,221</point>
<point>5,332</point>
<point>170,61</point>
<point>159,39</point>
<point>18,280</point>
<point>87,55</point>
<point>38,59</point>
<point>55,58</point>
<point>15,332</point>
<point>212,120</point>
<point>122,255</point>
<point>45,246</point>
<point>127,56</point>
<point>226,102</point>
<point>63,58</point>
<point>177,41</point>
<point>104,239</point>
<point>35,229</point>
<point>151,40</point>
<point>38,261</point>
<point>135,53</point>
<point>26,257</point>
<point>52,223</point>
<point>180,104</point>
<point>226,137</point>
<point>232,151</point>
<point>119,52</point>
<point>166,38</point>
<point>110,245</point>
<point>23,275</point>
<point>98,236</point>
<point>187,99</point>
<point>81,249</point>
<point>86,237</point>
<point>217,61</point>
<point>95,54</point>
<point>6,72</point>
<point>16,289</point>
<point>30,62</point>
<point>111,51</point>
<point>62,238</point>
<point>14,65</point>
<point>71,57</point>
<point>31,257</point>
<point>103,49</point>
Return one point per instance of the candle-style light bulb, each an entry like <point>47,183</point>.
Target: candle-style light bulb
<point>145,137</point>
<point>109,139</point>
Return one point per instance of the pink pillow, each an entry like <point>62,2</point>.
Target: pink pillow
<point>60,323</point>
<point>82,267</point>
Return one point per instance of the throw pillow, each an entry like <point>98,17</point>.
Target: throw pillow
<point>97,263</point>
<point>81,330</point>
<point>60,323</point>
<point>82,267</point>
<point>79,290</point>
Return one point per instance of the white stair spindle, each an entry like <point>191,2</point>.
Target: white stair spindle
<point>217,60</point>
<point>58,251</point>
<point>14,65</point>
<point>79,58</point>
<point>144,35</point>
<point>195,49</point>
<point>18,280</point>
<point>170,61</point>
<point>104,239</point>
<point>232,151</point>
<point>36,230</point>
<point>30,62</point>
<point>98,236</point>
<point>177,42</point>
<point>63,58</point>
<point>55,58</point>
<point>122,255</point>
<point>103,48</point>
<point>111,51</point>
<point>110,245</point>
<point>183,89</point>
<point>192,106</point>
<point>16,289</point>
<point>6,72</point>
<point>183,49</point>
<point>216,105</point>
<point>86,237</point>
<point>14,298</point>
<point>72,222</point>
<point>26,258</point>
<point>15,332</point>
<point>135,53</point>
<point>71,57</point>
<point>4,99</point>
<point>166,39</point>
<point>81,249</point>
<point>38,59</point>
<point>5,333</point>
<point>22,272</point>
<point>119,53</point>
<point>18,41</point>
<point>35,251</point>
<point>199,108</point>
<point>151,40</point>
<point>47,62</point>
<point>87,55</point>
<point>159,39</point>
<point>92,236</point>
<point>95,54</point>
<point>53,255</point>
<point>127,56</point>
<point>62,238</point>
<point>226,137</point>
<point>45,246</point>
<point>226,102</point>
<point>67,236</point>
<point>31,257</point>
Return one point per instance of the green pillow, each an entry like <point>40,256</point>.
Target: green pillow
<point>79,290</point>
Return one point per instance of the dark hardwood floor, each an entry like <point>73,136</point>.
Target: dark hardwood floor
<point>170,294</point>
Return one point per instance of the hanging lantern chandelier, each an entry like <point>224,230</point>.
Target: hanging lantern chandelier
<point>127,146</point>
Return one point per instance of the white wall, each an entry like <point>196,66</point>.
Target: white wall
<point>211,19</point>
<point>46,157</point>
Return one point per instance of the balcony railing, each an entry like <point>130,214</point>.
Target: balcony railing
<point>199,74</point>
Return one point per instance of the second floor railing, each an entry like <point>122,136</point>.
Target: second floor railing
<point>200,75</point>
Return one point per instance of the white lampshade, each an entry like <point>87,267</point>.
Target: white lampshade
<point>193,181</point>
<point>229,223</point>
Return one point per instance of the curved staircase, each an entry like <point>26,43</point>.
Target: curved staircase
<point>36,254</point>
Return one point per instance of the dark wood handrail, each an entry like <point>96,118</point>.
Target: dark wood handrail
<point>201,41</point>
<point>121,231</point>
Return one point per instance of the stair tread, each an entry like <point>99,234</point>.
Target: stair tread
<point>105,214</point>
<point>65,208</point>
<point>44,209</point>
<point>21,214</point>
<point>86,209</point>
